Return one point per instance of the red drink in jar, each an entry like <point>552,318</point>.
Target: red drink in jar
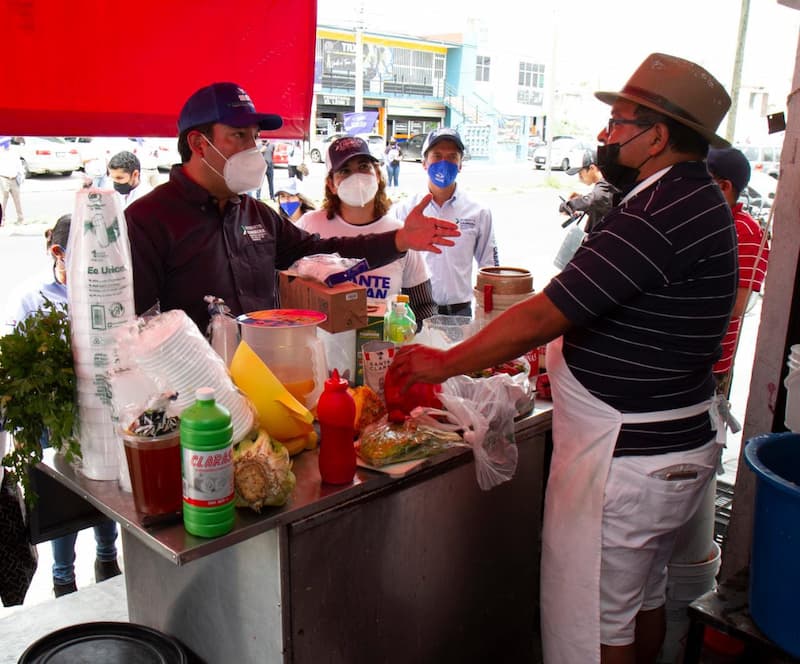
<point>155,468</point>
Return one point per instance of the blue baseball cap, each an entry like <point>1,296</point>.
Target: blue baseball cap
<point>729,164</point>
<point>226,103</point>
<point>442,134</point>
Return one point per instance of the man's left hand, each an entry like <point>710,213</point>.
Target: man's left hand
<point>425,233</point>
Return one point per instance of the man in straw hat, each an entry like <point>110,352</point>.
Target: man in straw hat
<point>635,322</point>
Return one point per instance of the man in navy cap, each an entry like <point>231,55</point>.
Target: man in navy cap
<point>197,235</point>
<point>731,171</point>
<point>451,271</point>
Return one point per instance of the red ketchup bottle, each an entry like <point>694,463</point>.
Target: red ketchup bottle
<point>336,412</point>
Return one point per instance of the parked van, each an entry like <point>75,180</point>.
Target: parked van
<point>764,158</point>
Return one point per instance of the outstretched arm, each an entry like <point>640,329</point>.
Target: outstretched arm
<point>425,233</point>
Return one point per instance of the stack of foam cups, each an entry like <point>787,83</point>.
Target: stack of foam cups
<point>100,299</point>
<point>171,351</point>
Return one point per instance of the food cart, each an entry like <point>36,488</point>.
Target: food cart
<point>419,567</point>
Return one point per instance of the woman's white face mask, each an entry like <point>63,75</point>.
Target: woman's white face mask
<point>358,189</point>
<point>243,172</point>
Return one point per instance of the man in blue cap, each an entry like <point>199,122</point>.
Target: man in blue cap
<point>451,271</point>
<point>198,235</point>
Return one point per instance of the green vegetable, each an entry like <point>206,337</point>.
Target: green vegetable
<point>262,473</point>
<point>37,390</point>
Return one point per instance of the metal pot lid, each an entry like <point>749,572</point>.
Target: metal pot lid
<point>282,318</point>
<point>124,643</point>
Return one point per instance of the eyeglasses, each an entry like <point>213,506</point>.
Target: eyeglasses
<point>613,122</point>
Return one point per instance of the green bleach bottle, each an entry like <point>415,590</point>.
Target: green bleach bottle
<point>207,466</point>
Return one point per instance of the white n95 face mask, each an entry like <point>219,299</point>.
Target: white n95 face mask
<point>243,172</point>
<point>358,189</point>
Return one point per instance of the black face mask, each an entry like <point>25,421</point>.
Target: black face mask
<point>622,177</point>
<point>123,188</point>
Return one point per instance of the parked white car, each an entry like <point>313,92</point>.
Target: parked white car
<point>565,152</point>
<point>45,155</point>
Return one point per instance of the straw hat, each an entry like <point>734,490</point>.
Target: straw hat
<point>680,90</point>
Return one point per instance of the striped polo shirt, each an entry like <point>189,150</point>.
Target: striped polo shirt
<point>650,295</point>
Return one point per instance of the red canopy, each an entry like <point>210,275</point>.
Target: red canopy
<point>99,68</point>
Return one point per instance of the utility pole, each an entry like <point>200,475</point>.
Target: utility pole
<point>358,105</point>
<point>551,103</point>
<point>730,130</point>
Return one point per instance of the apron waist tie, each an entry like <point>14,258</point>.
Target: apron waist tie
<point>718,409</point>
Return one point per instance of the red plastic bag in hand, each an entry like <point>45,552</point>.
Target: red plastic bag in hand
<point>399,405</point>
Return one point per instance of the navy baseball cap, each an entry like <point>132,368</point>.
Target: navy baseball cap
<point>226,103</point>
<point>443,134</point>
<point>729,164</point>
<point>589,158</point>
<point>345,148</point>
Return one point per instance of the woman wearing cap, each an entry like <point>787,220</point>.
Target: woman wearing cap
<point>291,203</point>
<point>355,204</point>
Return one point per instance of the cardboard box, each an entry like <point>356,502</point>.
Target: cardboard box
<point>345,305</point>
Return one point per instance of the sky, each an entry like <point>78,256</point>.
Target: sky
<point>603,41</point>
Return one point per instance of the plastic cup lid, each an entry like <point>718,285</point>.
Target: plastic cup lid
<point>282,318</point>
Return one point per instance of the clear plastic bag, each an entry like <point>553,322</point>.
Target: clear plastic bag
<point>329,269</point>
<point>484,410</point>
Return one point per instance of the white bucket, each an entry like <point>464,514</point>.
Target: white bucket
<point>685,583</point>
<point>500,303</point>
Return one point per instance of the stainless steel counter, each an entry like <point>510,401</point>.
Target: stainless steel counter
<point>426,567</point>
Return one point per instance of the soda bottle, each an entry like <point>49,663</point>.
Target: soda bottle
<point>336,412</point>
<point>402,297</point>
<point>401,328</point>
<point>207,465</point>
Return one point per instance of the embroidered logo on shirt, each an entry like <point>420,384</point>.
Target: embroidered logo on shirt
<point>466,223</point>
<point>256,232</point>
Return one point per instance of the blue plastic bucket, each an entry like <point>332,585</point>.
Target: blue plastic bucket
<point>775,556</point>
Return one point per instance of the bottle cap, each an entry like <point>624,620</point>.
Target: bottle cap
<point>204,394</point>
<point>402,297</point>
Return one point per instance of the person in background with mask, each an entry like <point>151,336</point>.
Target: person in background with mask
<point>355,203</point>
<point>599,201</point>
<point>635,321</point>
<point>125,173</point>
<point>268,152</point>
<point>291,203</point>
<point>198,235</point>
<point>393,156</point>
<point>451,271</point>
<point>19,307</point>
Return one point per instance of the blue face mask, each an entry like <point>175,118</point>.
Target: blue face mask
<point>442,173</point>
<point>290,207</point>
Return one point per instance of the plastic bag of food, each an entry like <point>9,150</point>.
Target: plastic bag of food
<point>483,410</point>
<point>392,442</point>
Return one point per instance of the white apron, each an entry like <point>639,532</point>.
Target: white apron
<point>585,432</point>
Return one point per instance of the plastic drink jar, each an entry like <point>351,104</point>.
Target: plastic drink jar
<point>155,469</point>
<point>336,413</point>
<point>207,463</point>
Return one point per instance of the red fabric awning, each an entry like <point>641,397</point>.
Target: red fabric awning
<point>99,68</point>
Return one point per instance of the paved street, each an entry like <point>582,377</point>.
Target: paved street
<point>524,204</point>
